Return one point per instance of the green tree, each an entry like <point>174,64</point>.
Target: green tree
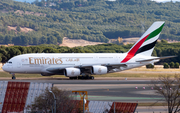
<point>4,55</point>
<point>35,41</point>
<point>52,40</point>
<point>36,2</point>
<point>1,57</point>
<point>43,40</point>
<point>166,65</point>
<point>164,41</point>
<point>36,49</point>
<point>8,39</point>
<point>18,28</point>
<point>17,40</point>
<point>150,66</point>
<point>176,65</point>
<point>171,65</point>
<point>23,49</point>
<point>25,40</point>
<point>50,50</point>
<point>75,50</point>
<point>12,51</point>
<point>1,39</point>
<point>47,2</point>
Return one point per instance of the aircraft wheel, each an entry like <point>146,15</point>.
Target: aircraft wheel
<point>82,77</point>
<point>79,77</point>
<point>72,78</point>
<point>87,77</point>
<point>13,77</point>
<point>91,77</point>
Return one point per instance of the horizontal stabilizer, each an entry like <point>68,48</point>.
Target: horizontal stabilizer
<point>158,58</point>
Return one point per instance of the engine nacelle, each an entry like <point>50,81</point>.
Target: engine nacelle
<point>46,74</point>
<point>72,72</point>
<point>98,70</point>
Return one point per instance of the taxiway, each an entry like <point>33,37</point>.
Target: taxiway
<point>109,90</point>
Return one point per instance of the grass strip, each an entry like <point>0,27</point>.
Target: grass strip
<point>138,75</point>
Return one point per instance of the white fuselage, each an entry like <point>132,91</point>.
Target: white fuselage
<point>40,62</point>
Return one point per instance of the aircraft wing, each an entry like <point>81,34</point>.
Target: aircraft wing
<point>112,65</point>
<point>157,58</point>
<point>109,65</point>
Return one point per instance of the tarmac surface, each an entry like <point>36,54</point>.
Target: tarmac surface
<point>109,90</point>
<point>137,91</point>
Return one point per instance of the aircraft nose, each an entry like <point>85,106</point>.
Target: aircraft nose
<point>5,68</point>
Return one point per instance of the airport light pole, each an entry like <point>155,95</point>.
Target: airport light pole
<point>114,107</point>
<point>54,102</point>
<point>83,105</point>
<point>84,102</point>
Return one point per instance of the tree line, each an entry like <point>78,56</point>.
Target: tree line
<point>161,49</point>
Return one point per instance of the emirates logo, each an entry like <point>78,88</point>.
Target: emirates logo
<point>72,73</point>
<point>99,71</point>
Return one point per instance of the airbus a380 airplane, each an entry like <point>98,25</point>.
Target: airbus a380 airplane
<point>74,64</point>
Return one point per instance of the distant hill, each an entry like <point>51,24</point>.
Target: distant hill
<point>29,1</point>
<point>92,20</point>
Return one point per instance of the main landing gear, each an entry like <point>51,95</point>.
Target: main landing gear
<point>13,76</point>
<point>83,77</point>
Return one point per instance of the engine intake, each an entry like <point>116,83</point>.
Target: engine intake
<point>98,70</point>
<point>72,72</point>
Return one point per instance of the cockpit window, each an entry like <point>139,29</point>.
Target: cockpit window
<point>9,62</point>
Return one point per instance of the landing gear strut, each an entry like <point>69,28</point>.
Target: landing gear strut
<point>86,77</point>
<point>13,76</point>
<point>82,77</point>
<point>92,77</point>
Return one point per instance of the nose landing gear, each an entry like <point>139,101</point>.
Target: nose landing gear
<point>13,76</point>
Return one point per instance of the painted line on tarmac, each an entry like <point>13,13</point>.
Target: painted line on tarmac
<point>118,98</point>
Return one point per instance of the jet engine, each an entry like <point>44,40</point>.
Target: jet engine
<point>72,72</point>
<point>98,70</point>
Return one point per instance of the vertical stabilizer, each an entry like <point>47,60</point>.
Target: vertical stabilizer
<point>146,43</point>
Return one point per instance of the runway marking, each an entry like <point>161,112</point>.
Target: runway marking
<point>119,85</point>
<point>90,97</point>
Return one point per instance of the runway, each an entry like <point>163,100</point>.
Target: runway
<point>109,90</point>
<point>113,90</point>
